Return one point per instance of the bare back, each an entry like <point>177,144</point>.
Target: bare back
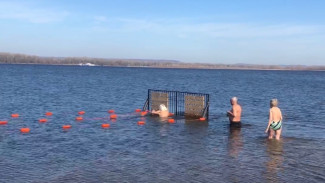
<point>163,114</point>
<point>236,110</point>
<point>275,114</point>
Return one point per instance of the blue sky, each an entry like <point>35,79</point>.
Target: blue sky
<point>210,31</point>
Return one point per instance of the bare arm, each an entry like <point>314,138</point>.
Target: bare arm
<point>155,112</point>
<point>229,113</point>
<point>236,111</point>
<point>270,121</point>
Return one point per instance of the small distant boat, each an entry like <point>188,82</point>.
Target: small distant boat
<point>87,64</point>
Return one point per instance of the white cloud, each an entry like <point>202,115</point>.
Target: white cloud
<point>24,12</point>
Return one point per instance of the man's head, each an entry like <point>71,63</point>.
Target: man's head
<point>233,100</point>
<point>162,107</point>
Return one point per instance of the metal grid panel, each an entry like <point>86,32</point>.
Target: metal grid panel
<point>171,102</point>
<point>180,103</point>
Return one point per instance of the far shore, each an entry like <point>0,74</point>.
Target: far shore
<point>153,67</point>
<point>9,58</point>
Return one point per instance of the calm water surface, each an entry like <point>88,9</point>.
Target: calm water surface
<point>187,151</point>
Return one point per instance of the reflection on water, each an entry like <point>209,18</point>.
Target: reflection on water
<point>162,124</point>
<point>234,148</point>
<point>274,165</point>
<point>235,142</point>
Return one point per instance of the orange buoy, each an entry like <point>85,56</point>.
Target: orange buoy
<point>171,121</point>
<point>81,112</point>
<point>113,116</point>
<point>3,122</point>
<point>25,130</point>
<point>43,120</point>
<point>105,125</point>
<point>171,114</point>
<point>143,113</point>
<point>15,115</point>
<point>202,119</point>
<point>111,111</point>
<point>138,110</point>
<point>79,118</point>
<point>66,126</point>
<point>48,114</point>
<point>141,122</point>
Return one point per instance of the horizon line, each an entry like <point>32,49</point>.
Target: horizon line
<point>155,59</point>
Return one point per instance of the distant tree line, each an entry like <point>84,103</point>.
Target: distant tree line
<point>9,58</point>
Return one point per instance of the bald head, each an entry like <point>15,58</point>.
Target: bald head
<point>233,100</point>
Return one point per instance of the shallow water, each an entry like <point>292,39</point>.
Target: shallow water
<point>187,151</point>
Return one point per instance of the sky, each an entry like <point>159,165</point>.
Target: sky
<point>285,32</point>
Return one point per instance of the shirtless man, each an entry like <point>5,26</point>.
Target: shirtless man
<point>162,112</point>
<point>275,120</point>
<point>235,113</point>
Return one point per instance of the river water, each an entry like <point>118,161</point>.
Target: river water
<point>186,151</point>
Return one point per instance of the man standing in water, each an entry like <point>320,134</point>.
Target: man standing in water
<point>235,113</point>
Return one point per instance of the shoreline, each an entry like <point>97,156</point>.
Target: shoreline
<point>162,67</point>
<point>14,58</point>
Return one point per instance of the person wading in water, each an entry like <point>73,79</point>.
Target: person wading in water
<point>275,120</point>
<point>235,113</point>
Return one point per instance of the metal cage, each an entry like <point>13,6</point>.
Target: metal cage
<point>180,103</point>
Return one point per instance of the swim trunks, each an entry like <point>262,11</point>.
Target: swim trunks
<point>235,124</point>
<point>276,125</point>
